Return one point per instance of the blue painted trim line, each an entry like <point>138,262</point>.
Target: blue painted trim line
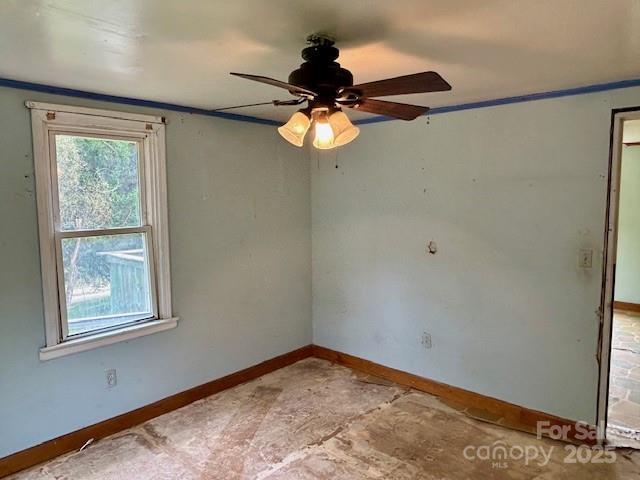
<point>70,92</point>
<point>600,87</point>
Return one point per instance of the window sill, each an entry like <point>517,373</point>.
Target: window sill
<point>107,338</point>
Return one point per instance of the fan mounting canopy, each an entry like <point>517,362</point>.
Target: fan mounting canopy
<point>320,72</point>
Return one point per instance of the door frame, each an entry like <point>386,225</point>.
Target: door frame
<point>618,117</point>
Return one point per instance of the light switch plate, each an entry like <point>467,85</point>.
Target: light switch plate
<point>585,260</point>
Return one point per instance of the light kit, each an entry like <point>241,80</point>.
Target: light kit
<point>330,129</point>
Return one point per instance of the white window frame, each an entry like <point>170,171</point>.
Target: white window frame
<point>48,120</point>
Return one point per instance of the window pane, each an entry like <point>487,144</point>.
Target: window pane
<point>98,183</point>
<point>106,281</point>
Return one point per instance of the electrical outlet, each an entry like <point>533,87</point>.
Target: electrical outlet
<point>112,378</point>
<point>426,340</point>
<point>585,260</point>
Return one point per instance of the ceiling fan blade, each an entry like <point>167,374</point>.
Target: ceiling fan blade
<point>402,111</point>
<point>416,83</point>
<point>275,103</point>
<point>296,90</point>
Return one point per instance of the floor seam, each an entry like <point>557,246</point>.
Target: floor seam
<point>623,349</point>
<point>173,452</point>
<point>319,444</point>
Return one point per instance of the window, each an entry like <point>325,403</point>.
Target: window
<point>102,214</point>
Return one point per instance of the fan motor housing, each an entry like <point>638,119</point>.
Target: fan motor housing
<point>320,72</point>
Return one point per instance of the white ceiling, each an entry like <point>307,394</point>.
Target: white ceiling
<point>181,51</point>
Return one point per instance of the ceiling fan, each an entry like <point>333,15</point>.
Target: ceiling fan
<point>327,88</point>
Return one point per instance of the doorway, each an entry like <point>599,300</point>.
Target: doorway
<point>619,394</point>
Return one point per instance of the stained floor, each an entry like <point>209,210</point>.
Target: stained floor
<point>315,420</point>
<point>624,385</point>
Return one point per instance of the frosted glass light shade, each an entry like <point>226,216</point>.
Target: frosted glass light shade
<point>343,130</point>
<point>295,129</point>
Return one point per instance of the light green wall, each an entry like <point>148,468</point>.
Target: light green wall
<point>239,220</point>
<point>628,255</point>
<point>509,194</point>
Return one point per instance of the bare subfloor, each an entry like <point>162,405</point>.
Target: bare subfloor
<point>315,420</point>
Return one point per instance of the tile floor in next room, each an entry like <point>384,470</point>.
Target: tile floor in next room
<point>624,384</point>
